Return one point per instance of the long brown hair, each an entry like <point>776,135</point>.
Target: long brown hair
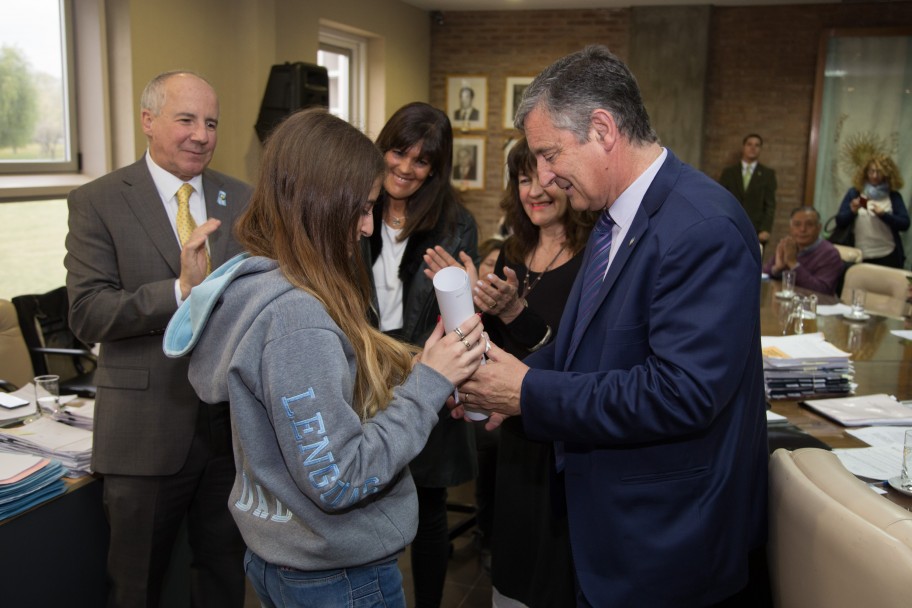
<point>421,124</point>
<point>314,183</point>
<point>577,224</point>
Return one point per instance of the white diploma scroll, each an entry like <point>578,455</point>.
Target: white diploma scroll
<point>454,297</point>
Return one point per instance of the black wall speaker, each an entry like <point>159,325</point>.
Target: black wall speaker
<point>291,86</point>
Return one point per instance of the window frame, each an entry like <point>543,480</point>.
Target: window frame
<point>333,40</point>
<point>68,78</point>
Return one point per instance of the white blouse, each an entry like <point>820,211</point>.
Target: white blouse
<point>386,278</point>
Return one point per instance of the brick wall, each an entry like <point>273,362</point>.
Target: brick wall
<point>761,73</point>
<point>500,44</point>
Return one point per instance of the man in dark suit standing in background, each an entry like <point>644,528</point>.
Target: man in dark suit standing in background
<point>139,239</point>
<point>653,388</point>
<point>754,185</point>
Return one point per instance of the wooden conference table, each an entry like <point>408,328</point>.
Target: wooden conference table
<point>882,362</point>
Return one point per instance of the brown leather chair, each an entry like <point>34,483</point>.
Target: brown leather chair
<point>15,364</point>
<point>887,288</point>
<point>833,541</point>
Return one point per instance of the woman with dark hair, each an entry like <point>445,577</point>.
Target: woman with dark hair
<point>523,301</point>
<point>876,208</point>
<point>326,411</point>
<point>419,209</point>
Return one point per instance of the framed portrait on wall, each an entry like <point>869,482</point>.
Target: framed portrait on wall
<point>516,86</point>
<point>468,163</point>
<point>467,102</point>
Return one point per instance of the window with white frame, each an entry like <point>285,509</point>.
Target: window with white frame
<point>344,56</point>
<point>37,107</point>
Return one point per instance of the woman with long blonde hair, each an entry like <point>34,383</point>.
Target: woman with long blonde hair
<point>326,410</point>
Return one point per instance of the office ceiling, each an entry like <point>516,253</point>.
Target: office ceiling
<point>523,5</point>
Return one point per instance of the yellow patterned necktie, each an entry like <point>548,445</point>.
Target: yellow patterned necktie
<point>747,177</point>
<point>185,223</point>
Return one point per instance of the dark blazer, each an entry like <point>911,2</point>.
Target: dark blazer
<point>448,459</point>
<point>657,403</point>
<point>760,199</point>
<point>122,260</point>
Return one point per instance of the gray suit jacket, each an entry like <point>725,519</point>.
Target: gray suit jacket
<point>122,260</point>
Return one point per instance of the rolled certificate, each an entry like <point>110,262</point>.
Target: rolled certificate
<point>454,297</point>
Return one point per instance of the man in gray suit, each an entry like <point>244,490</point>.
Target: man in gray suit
<point>164,454</point>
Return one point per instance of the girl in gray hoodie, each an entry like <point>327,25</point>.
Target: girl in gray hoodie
<point>326,411</point>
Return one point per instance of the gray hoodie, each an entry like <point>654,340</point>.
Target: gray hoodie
<point>316,488</point>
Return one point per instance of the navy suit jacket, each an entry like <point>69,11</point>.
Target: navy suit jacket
<point>658,405</point>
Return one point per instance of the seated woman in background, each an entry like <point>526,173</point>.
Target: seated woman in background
<point>522,303</point>
<point>877,209</point>
<point>326,411</point>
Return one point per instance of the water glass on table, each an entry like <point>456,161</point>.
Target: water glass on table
<point>47,393</point>
<point>905,478</point>
<point>858,302</point>
<point>788,284</point>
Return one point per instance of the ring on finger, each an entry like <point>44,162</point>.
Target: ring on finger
<point>465,396</point>
<point>466,344</point>
<point>459,333</point>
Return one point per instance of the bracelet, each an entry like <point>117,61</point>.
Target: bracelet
<point>543,341</point>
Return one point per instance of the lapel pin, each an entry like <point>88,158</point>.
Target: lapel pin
<point>632,239</point>
<point>222,198</point>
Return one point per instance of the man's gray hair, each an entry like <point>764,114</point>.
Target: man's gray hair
<point>153,96</point>
<point>573,87</point>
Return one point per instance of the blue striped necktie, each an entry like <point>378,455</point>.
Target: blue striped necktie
<point>595,271</point>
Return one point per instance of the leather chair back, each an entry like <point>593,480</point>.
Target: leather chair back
<point>15,362</point>
<point>833,541</point>
<point>887,288</point>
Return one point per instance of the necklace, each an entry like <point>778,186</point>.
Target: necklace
<point>395,221</point>
<point>528,287</point>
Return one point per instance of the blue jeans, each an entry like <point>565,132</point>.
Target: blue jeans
<point>359,587</point>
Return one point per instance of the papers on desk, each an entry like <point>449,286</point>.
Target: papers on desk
<point>26,481</point>
<point>79,413</point>
<point>880,462</point>
<point>832,310</point>
<point>796,367</point>
<point>863,410</point>
<point>905,334</point>
<point>49,438</point>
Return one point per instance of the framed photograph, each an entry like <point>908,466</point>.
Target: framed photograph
<point>516,86</point>
<point>468,163</point>
<point>506,152</point>
<point>467,102</point>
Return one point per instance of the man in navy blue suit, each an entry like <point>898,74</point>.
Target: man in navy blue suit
<point>653,388</point>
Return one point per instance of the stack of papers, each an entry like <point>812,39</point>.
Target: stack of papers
<point>26,481</point>
<point>79,412</point>
<point>864,410</point>
<point>799,367</point>
<point>49,438</point>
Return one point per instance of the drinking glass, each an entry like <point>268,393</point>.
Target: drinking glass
<point>906,478</point>
<point>808,315</point>
<point>858,302</point>
<point>788,283</point>
<point>47,393</point>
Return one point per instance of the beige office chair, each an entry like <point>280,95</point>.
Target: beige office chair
<point>833,541</point>
<point>850,255</point>
<point>887,288</point>
<point>15,363</point>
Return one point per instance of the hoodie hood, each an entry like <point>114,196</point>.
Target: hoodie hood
<point>187,324</point>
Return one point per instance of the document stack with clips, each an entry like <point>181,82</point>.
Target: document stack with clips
<point>805,366</point>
